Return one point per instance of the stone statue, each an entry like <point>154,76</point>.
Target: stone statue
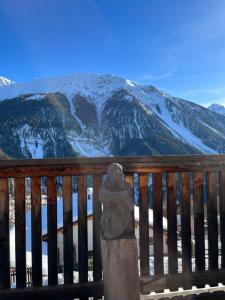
<point>118,242</point>
<point>116,197</point>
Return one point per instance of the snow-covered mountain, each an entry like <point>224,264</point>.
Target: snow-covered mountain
<point>218,108</point>
<point>95,115</point>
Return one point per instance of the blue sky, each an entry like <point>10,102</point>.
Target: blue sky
<point>175,45</point>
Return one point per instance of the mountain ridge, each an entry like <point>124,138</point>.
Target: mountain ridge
<point>102,115</point>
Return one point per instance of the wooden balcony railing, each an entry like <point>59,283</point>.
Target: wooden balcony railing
<point>200,180</point>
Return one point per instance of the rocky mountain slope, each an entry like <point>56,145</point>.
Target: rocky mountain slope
<point>96,115</point>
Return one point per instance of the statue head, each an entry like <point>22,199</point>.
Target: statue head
<point>115,175</point>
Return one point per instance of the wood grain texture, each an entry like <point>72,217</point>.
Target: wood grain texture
<point>143,224</point>
<point>158,223</point>
<point>67,229</point>
<point>212,220</point>
<point>52,231</point>
<point>4,234</point>
<point>199,222</point>
<point>59,292</point>
<point>36,222</point>
<point>87,166</point>
<point>172,222</point>
<point>154,283</point>
<point>172,225</point>
<point>82,229</point>
<point>129,178</point>
<point>222,216</point>
<point>20,232</point>
<point>186,227</point>
<point>97,211</point>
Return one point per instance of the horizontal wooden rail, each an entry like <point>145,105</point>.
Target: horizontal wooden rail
<point>87,166</point>
<point>160,282</point>
<point>75,290</point>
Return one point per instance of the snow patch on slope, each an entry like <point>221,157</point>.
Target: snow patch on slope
<point>30,143</point>
<point>176,128</point>
<point>36,97</point>
<point>181,132</point>
<point>87,147</point>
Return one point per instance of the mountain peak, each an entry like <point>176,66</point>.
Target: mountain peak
<point>217,108</point>
<point>5,81</point>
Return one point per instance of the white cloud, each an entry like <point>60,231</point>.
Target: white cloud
<point>205,97</point>
<point>150,76</point>
<point>201,92</point>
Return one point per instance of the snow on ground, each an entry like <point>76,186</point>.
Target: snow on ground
<point>28,255</point>
<point>36,97</point>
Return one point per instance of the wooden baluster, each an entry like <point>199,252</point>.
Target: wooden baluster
<point>186,229</point>
<point>52,230</point>
<point>212,220</point>
<point>97,211</point>
<point>172,226</point>
<point>67,229</point>
<point>4,234</point>
<point>130,180</point>
<point>143,225</point>
<point>222,218</point>
<point>82,231</point>
<point>20,232</point>
<point>36,231</point>
<point>158,223</point>
<point>199,223</point>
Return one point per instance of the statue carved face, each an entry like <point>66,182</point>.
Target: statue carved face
<point>115,175</point>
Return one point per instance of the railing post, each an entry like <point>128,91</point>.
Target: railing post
<point>119,246</point>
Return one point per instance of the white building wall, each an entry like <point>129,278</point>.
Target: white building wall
<point>90,240</point>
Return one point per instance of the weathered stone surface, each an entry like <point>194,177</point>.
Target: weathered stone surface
<point>116,196</point>
<point>120,269</point>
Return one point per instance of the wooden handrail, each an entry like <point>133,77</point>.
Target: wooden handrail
<point>98,165</point>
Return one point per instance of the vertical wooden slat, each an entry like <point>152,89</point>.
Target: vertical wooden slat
<point>212,220</point>
<point>20,232</point>
<point>158,223</point>
<point>186,227</point>
<point>4,234</point>
<point>67,229</point>
<point>130,180</point>
<point>82,230</point>
<point>36,231</point>
<point>52,230</point>
<point>97,211</point>
<point>143,225</point>
<point>172,225</point>
<point>222,216</point>
<point>199,222</point>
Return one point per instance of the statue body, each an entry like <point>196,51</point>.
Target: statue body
<point>116,197</point>
<point>118,242</point>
